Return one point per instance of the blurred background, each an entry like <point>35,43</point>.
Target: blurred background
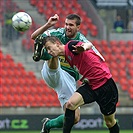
<point>24,96</point>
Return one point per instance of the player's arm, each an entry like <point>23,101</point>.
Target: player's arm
<point>51,22</point>
<point>82,47</point>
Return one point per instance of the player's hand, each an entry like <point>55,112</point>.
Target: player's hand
<point>53,20</point>
<point>78,49</point>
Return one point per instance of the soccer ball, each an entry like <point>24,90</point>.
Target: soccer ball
<point>21,21</point>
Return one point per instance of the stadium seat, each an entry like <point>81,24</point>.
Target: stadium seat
<point>44,99</point>
<point>96,43</point>
<point>113,42</point>
<point>4,73</point>
<point>130,90</point>
<point>25,98</point>
<point>13,90</point>
<point>131,96</point>
<point>122,73</point>
<point>33,2</point>
<point>20,66</point>
<point>121,42</point>
<point>19,90</point>
<point>4,90</point>
<point>105,49</point>
<point>104,43</point>
<point>94,33</point>
<point>123,83</point>
<point>59,5</point>
<point>16,101</point>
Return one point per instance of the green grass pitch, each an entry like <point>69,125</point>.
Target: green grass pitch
<point>55,131</point>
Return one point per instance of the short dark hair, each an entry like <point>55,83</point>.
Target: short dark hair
<point>52,39</point>
<point>74,17</point>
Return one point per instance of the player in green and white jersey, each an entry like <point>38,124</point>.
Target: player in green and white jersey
<point>65,78</point>
<point>69,32</point>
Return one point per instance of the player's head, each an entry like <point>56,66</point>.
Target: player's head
<point>52,44</point>
<point>72,25</point>
<point>74,17</point>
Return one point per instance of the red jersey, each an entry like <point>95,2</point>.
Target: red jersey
<point>90,64</point>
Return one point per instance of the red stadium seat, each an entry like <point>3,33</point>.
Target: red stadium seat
<point>123,84</point>
<point>88,20</point>
<point>13,90</point>
<point>131,96</point>
<point>17,99</point>
<point>130,42</point>
<point>115,74</point>
<point>9,58</point>
<point>20,66</point>
<point>26,90</point>
<point>33,90</point>
<point>96,42</point>
<point>121,42</point>
<point>94,33</point>
<point>104,42</point>
<point>15,81</point>
<point>130,90</point>
<point>19,90</point>
<point>113,42</point>
<point>37,100</point>
<point>122,73</point>
<point>33,2</point>
<point>59,5</point>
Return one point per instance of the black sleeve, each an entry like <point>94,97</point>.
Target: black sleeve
<point>70,46</point>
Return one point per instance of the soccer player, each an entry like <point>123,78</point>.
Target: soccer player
<point>63,83</point>
<point>99,85</point>
<point>69,32</point>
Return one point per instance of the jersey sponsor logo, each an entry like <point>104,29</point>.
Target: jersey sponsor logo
<point>63,61</point>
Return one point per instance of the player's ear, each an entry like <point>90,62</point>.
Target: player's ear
<point>58,43</point>
<point>78,27</point>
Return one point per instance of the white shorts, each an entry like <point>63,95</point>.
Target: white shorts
<point>61,81</point>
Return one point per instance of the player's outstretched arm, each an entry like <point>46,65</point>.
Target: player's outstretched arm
<point>51,22</point>
<point>82,47</point>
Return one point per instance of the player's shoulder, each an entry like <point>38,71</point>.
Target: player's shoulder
<point>62,30</point>
<point>82,38</point>
<point>70,45</point>
<point>73,42</point>
<point>54,32</point>
<point>58,30</point>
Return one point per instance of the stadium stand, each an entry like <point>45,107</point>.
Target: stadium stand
<point>118,54</point>
<point>74,7</point>
<point>22,88</point>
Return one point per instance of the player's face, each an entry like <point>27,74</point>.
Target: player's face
<point>71,28</point>
<point>52,48</point>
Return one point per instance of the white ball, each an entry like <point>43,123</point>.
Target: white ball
<point>21,21</point>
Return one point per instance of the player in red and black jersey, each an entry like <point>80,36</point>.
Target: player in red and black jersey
<point>98,85</point>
